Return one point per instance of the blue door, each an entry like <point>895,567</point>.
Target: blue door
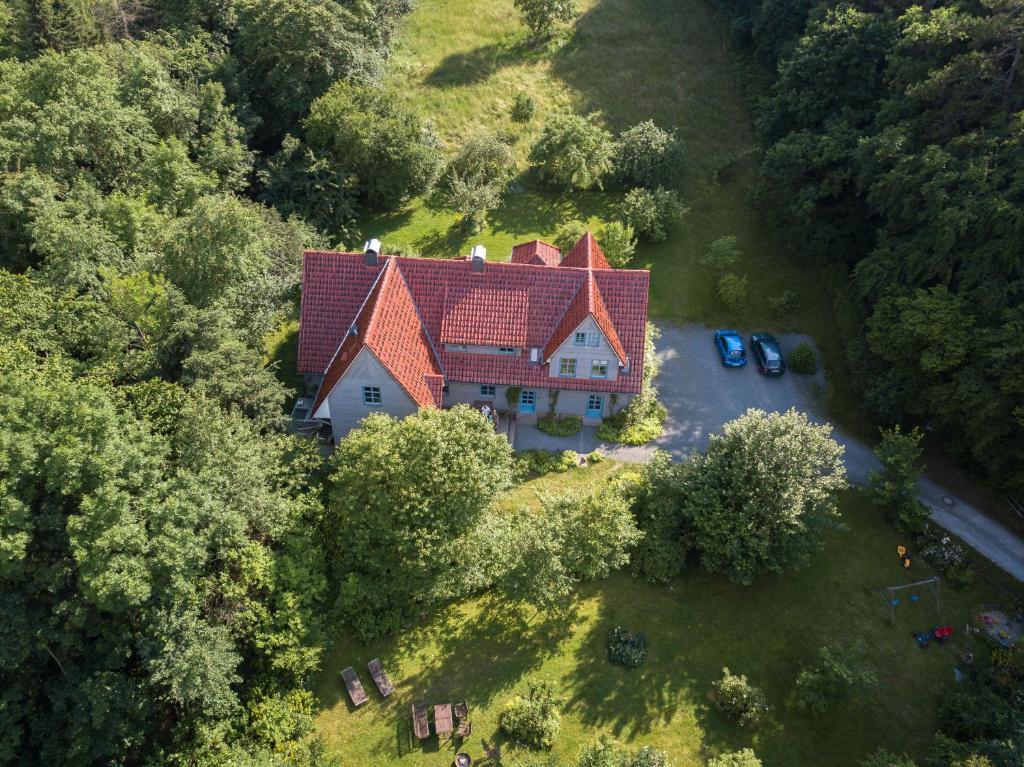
<point>595,406</point>
<point>528,402</point>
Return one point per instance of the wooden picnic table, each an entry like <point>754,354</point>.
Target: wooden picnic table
<point>420,725</point>
<point>354,686</point>
<point>443,724</point>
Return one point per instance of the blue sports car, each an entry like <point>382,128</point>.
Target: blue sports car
<point>730,348</point>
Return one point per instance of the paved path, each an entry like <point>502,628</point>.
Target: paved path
<point>699,404</point>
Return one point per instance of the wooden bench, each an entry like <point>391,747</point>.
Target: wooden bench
<point>420,725</point>
<point>354,686</point>
<point>380,678</point>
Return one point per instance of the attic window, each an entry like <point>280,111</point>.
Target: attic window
<point>580,339</point>
<point>509,350</point>
<point>593,339</point>
<point>371,395</point>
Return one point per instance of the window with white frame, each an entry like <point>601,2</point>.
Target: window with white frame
<point>593,339</point>
<point>487,391</point>
<point>567,367</point>
<point>599,369</point>
<point>510,350</point>
<point>580,339</point>
<point>371,395</point>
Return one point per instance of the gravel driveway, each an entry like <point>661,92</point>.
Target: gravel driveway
<point>701,395</point>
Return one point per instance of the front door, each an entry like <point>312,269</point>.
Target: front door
<point>595,406</point>
<point>528,402</point>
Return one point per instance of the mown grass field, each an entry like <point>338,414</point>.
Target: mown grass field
<point>485,651</point>
<point>461,64</point>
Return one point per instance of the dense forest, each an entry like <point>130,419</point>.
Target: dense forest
<point>166,567</point>
<point>895,149</point>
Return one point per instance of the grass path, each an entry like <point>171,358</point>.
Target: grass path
<point>484,651</point>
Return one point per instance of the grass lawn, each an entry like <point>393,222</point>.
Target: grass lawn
<point>462,62</point>
<point>485,651</point>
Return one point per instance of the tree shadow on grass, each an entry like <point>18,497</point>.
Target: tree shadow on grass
<point>475,66</point>
<point>544,211</point>
<point>480,653</point>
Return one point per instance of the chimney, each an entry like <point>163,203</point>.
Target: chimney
<point>371,251</point>
<point>478,257</point>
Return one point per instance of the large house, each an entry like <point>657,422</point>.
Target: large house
<point>394,333</point>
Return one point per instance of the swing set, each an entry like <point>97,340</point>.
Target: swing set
<point>892,598</point>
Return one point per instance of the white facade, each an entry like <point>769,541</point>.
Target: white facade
<point>347,401</point>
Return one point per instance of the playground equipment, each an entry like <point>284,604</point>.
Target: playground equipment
<point>892,601</point>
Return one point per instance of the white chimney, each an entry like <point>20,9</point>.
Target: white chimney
<point>371,250</point>
<point>478,257</point>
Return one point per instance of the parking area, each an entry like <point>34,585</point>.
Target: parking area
<point>701,395</point>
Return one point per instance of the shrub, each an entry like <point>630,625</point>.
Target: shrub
<point>573,151</point>
<point>625,649</point>
<point>803,360</point>
<point>649,156</point>
<point>637,424</point>
<point>723,254</point>
<point>595,457</point>
<point>568,234</point>
<point>787,302</point>
<point>883,758</point>
<point>738,699</point>
<point>946,555</point>
<point>894,488</point>
<point>618,243</point>
<point>732,290</point>
<point>523,108</point>
<point>835,675</point>
<point>560,426</point>
<point>648,756</point>
<point>651,212</point>
<point>476,178</point>
<point>744,758</point>
<point>533,719</point>
<point>537,463</point>
<point>542,17</point>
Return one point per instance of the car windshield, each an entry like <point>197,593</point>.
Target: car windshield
<point>771,353</point>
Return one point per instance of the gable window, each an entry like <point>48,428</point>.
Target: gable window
<point>593,339</point>
<point>510,350</point>
<point>599,369</point>
<point>371,395</point>
<point>487,391</point>
<point>567,367</point>
<point>580,339</point>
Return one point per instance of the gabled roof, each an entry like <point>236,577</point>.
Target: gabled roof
<point>536,252</point>
<point>586,303</point>
<point>586,254</point>
<point>389,326</point>
<point>443,303</point>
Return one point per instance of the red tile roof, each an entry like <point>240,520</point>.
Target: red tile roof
<point>536,252</point>
<point>421,304</point>
<point>586,254</point>
<point>586,303</point>
<point>389,326</point>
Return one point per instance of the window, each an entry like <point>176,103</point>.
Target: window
<point>487,391</point>
<point>371,395</point>
<point>456,347</point>
<point>527,402</point>
<point>567,367</point>
<point>599,369</point>
<point>595,406</point>
<point>507,350</point>
<point>580,339</point>
<point>593,339</point>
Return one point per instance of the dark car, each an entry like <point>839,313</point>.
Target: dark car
<point>730,348</point>
<point>767,354</point>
